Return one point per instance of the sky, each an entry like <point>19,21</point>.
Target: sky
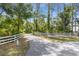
<point>44,8</point>
<point>56,7</point>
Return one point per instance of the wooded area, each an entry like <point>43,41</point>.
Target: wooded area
<point>27,18</point>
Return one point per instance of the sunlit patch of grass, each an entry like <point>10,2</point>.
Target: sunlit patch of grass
<point>61,39</point>
<point>64,39</point>
<point>11,49</point>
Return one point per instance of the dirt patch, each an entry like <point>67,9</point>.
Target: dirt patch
<point>11,49</point>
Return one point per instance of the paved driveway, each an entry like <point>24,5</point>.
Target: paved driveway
<point>39,47</point>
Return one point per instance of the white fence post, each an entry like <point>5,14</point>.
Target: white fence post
<point>17,41</point>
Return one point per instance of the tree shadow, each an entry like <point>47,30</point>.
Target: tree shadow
<point>40,48</point>
<point>68,52</point>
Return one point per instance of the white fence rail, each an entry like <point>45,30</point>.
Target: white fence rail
<point>8,39</point>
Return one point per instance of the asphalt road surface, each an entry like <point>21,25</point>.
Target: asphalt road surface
<point>40,47</point>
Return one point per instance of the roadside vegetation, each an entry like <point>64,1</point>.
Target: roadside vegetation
<point>28,18</point>
<point>11,49</point>
<point>57,38</point>
<point>64,39</point>
<point>18,18</point>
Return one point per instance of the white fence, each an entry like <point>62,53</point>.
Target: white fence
<point>8,39</point>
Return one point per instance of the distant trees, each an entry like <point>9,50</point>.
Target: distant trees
<point>42,25</point>
<point>17,18</point>
<point>66,17</point>
<point>76,5</point>
<point>37,15</point>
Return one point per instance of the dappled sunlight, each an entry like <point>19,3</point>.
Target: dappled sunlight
<point>36,29</point>
<point>40,47</point>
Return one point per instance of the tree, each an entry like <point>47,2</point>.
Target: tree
<point>77,19</point>
<point>36,13</point>
<point>42,25</point>
<point>49,6</point>
<point>66,17</point>
<point>49,17</point>
<point>20,10</point>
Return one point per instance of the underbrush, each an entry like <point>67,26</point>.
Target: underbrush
<point>11,49</point>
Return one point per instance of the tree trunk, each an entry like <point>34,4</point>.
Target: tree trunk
<point>48,17</point>
<point>37,15</point>
<point>72,20</point>
<point>18,27</point>
<point>64,21</point>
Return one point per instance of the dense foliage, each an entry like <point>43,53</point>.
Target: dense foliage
<point>21,18</point>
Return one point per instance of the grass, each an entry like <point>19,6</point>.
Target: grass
<point>11,49</point>
<point>64,39</point>
<point>61,39</point>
